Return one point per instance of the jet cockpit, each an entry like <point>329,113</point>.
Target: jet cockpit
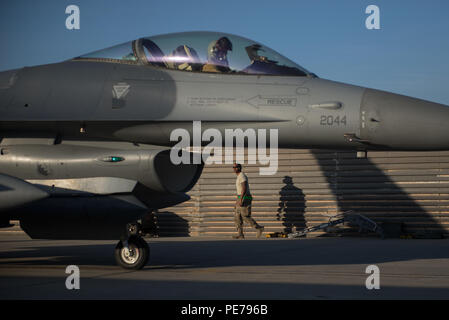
<point>210,52</point>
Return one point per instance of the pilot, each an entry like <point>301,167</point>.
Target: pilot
<point>217,52</point>
<point>184,58</point>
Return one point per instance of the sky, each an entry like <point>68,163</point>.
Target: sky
<point>407,55</point>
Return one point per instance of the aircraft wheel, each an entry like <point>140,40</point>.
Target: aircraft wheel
<point>137,255</point>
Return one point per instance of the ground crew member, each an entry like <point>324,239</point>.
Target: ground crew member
<point>243,204</point>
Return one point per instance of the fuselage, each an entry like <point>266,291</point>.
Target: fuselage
<point>76,100</point>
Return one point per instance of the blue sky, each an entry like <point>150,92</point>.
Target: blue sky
<point>408,55</point>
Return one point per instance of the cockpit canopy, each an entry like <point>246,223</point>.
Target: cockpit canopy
<point>201,52</point>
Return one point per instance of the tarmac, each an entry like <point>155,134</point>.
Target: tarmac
<point>199,268</point>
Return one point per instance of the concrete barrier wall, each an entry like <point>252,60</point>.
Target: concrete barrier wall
<point>310,185</point>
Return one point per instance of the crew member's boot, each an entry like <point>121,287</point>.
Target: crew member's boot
<point>239,234</point>
<point>260,231</point>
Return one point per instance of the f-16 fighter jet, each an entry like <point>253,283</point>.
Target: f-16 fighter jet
<point>85,145</point>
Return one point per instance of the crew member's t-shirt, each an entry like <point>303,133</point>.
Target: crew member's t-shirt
<point>238,184</point>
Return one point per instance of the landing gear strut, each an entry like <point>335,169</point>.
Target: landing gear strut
<point>132,252</point>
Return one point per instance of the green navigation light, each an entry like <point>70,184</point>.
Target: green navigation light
<point>113,159</point>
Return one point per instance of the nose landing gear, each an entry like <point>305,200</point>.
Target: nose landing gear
<point>133,252</point>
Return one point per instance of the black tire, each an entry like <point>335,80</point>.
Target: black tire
<point>140,254</point>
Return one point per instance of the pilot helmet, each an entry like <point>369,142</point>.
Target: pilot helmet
<point>218,50</point>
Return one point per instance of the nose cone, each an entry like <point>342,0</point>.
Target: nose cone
<point>398,122</point>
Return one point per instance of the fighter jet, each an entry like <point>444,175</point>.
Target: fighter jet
<point>85,143</point>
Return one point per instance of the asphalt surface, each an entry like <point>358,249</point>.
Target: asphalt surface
<point>207,268</point>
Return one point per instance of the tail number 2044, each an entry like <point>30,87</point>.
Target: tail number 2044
<point>333,120</point>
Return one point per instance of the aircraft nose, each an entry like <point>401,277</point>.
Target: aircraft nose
<point>405,123</point>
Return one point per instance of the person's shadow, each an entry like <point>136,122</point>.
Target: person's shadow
<point>291,206</point>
